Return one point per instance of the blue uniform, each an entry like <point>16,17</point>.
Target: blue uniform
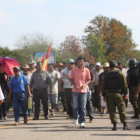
<point>18,86</point>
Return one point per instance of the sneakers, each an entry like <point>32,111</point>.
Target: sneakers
<point>82,125</point>
<point>75,122</point>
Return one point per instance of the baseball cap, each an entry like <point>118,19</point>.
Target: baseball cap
<point>17,68</point>
<point>70,60</point>
<point>106,65</point>
<point>98,64</point>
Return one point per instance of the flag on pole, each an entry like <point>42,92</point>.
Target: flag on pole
<point>42,60</point>
<point>46,59</point>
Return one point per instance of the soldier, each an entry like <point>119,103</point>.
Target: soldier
<point>114,84</point>
<point>132,80</point>
<point>137,95</point>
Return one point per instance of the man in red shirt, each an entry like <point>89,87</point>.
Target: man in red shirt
<point>80,77</point>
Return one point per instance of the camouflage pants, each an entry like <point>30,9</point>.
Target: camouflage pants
<point>116,100</point>
<point>132,99</point>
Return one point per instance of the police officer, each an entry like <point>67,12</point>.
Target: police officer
<point>132,80</point>
<point>114,84</point>
<point>18,87</point>
<point>137,95</point>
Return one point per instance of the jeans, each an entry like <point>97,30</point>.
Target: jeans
<point>20,100</point>
<point>79,106</point>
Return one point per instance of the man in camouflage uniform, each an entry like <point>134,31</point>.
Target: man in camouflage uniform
<point>132,80</point>
<point>114,85</point>
<point>137,95</point>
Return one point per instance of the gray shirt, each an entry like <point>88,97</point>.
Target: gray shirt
<point>40,79</point>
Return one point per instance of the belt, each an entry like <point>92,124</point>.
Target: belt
<point>40,89</point>
<point>113,91</point>
<point>19,92</point>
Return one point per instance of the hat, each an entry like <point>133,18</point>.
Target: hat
<point>17,68</point>
<point>98,64</point>
<point>106,65</point>
<point>25,67</point>
<point>70,60</point>
<point>31,62</point>
<point>86,64</point>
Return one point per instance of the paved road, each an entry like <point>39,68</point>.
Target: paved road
<point>60,128</point>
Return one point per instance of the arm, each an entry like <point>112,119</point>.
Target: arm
<point>137,91</point>
<point>28,90</point>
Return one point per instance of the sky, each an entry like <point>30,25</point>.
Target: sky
<point>57,19</point>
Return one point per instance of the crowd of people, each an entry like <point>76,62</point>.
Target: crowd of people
<point>82,88</point>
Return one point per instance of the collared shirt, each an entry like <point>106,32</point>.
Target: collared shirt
<point>80,77</point>
<point>18,84</point>
<point>40,79</point>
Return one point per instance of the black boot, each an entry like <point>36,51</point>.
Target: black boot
<point>125,126</point>
<point>114,128</point>
<point>138,127</point>
<point>136,116</point>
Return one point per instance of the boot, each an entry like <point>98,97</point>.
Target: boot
<point>136,116</point>
<point>114,128</point>
<point>125,126</point>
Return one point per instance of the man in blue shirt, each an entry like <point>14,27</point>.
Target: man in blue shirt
<point>18,87</point>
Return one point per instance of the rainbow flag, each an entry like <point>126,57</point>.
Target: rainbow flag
<point>46,59</point>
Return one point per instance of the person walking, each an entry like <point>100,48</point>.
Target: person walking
<point>113,86</point>
<point>40,81</point>
<point>132,80</point>
<point>68,86</point>
<point>19,85</point>
<point>53,97</point>
<point>80,77</point>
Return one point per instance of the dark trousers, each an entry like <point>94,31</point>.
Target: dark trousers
<point>61,95</point>
<point>97,100</point>
<point>3,109</point>
<point>89,106</point>
<point>40,94</point>
<point>68,101</point>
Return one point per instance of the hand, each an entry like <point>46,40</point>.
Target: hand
<point>77,87</point>
<point>82,87</point>
<point>30,95</point>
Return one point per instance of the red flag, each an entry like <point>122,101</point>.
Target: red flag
<point>42,60</point>
<point>46,59</point>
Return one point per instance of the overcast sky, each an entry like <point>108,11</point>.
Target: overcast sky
<point>60,18</point>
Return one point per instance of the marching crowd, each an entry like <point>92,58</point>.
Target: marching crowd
<point>81,87</point>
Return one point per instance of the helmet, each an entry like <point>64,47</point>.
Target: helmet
<point>132,63</point>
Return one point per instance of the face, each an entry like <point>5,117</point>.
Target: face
<point>106,69</point>
<point>31,66</point>
<point>25,71</point>
<point>98,68</point>
<point>71,65</point>
<point>39,67</point>
<point>81,63</point>
<point>50,68</point>
<point>17,72</point>
<point>120,66</point>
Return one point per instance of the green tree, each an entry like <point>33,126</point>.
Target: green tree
<point>96,47</point>
<point>116,36</point>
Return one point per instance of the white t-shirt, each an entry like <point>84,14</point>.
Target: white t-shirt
<point>54,81</point>
<point>67,83</point>
<point>1,94</point>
